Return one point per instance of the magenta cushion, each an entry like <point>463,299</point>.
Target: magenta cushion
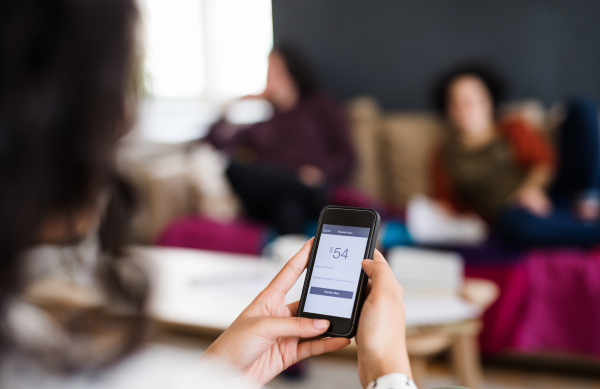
<point>196,232</point>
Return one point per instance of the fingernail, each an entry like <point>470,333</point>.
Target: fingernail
<point>321,324</point>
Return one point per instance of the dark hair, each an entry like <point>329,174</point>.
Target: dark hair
<point>65,69</point>
<point>491,78</point>
<point>298,67</point>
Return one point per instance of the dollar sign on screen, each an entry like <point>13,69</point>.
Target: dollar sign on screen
<point>331,249</point>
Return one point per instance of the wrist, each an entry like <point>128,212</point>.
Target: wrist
<point>388,364</point>
<point>215,352</point>
<point>212,354</point>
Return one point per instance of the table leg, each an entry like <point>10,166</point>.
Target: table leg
<point>466,362</point>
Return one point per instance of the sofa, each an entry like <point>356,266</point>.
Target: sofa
<point>549,298</point>
<point>549,301</point>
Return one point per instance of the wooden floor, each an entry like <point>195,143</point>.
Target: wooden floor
<point>341,373</point>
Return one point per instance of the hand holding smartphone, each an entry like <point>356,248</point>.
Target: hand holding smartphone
<point>335,284</point>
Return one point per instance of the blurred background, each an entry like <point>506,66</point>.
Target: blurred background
<point>394,50</point>
<point>255,114</point>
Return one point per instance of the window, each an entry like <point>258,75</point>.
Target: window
<point>199,54</point>
<point>211,49</point>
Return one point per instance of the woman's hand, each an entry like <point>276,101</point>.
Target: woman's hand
<point>531,194</point>
<point>265,339</point>
<point>311,176</point>
<point>381,336</point>
<point>534,199</point>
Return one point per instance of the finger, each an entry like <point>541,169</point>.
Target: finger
<point>369,286</point>
<point>285,327</point>
<point>293,307</point>
<point>320,346</point>
<point>287,277</point>
<point>539,210</point>
<point>378,257</point>
<point>547,206</point>
<point>381,276</point>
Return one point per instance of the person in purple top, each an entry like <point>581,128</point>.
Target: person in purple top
<point>281,168</point>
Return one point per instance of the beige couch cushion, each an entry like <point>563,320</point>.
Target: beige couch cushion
<point>163,186</point>
<point>408,141</point>
<point>175,181</point>
<point>364,117</point>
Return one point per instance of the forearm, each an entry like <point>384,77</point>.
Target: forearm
<point>539,176</point>
<point>392,364</point>
<point>531,194</point>
<point>224,134</point>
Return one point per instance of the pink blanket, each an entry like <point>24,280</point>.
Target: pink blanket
<point>550,301</point>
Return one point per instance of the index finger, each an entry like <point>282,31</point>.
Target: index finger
<point>287,277</point>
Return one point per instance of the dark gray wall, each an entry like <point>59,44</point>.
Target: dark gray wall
<point>393,49</point>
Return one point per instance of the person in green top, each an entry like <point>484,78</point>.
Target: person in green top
<point>507,172</point>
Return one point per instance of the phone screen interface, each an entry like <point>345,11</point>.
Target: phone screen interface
<point>336,272</point>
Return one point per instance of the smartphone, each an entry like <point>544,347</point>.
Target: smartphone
<point>335,284</point>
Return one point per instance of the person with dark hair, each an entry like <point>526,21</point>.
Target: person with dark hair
<point>493,81</point>
<point>281,168</point>
<point>64,78</point>
<point>65,71</point>
<point>505,171</point>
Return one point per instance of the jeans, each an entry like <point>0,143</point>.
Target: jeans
<point>578,174</point>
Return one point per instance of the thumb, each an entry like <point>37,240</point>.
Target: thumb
<point>380,274</point>
<point>298,327</point>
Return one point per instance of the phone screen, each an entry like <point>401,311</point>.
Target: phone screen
<point>336,272</point>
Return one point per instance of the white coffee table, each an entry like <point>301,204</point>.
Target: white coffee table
<point>203,292</point>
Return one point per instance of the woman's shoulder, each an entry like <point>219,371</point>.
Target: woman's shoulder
<point>515,127</point>
<point>530,143</point>
<point>520,131</point>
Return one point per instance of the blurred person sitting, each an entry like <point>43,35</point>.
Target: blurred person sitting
<point>506,172</point>
<point>282,168</point>
<point>65,71</point>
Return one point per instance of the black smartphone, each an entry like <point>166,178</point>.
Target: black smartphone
<point>335,284</point>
